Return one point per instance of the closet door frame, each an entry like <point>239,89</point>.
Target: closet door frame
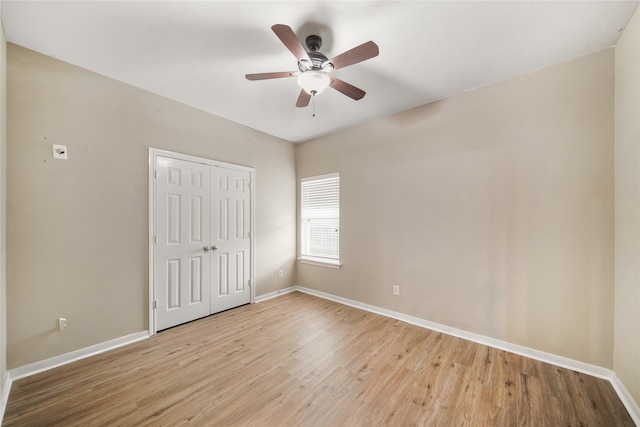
<point>154,153</point>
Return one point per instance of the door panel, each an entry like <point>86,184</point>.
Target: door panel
<point>183,269</point>
<point>231,193</point>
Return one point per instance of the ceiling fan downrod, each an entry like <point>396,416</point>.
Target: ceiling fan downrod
<point>314,43</point>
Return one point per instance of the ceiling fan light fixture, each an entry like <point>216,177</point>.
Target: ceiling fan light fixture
<point>314,82</point>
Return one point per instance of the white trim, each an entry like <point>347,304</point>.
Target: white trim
<point>63,359</point>
<point>319,177</point>
<point>627,399</point>
<point>596,371</point>
<point>274,294</point>
<point>154,153</point>
<point>319,262</point>
<point>317,194</point>
<point>152,252</point>
<point>4,398</point>
<point>252,234</point>
<point>195,159</point>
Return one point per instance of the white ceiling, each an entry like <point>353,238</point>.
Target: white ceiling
<point>198,53</point>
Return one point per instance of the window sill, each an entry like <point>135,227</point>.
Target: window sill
<point>320,262</point>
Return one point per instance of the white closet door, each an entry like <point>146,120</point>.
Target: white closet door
<point>231,228</point>
<point>183,261</point>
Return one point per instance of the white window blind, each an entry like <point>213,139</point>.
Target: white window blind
<point>320,216</point>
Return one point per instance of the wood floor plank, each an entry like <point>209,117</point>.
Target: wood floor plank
<point>298,360</point>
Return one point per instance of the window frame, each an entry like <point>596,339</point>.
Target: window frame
<point>310,259</point>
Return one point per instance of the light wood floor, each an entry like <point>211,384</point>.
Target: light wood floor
<point>301,360</point>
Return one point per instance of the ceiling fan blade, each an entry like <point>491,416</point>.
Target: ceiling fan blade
<point>277,75</point>
<point>347,89</point>
<point>303,99</point>
<point>290,40</point>
<point>360,53</point>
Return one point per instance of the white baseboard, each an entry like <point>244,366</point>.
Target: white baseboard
<point>627,399</point>
<point>6,388</point>
<point>275,294</point>
<point>63,359</point>
<point>564,362</point>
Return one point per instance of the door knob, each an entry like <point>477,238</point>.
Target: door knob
<point>214,247</point>
<point>206,248</point>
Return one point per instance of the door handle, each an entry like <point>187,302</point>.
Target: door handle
<point>214,248</point>
<point>206,248</point>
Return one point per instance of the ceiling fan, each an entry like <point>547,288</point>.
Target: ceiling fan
<point>314,69</point>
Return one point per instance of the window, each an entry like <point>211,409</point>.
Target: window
<point>320,219</point>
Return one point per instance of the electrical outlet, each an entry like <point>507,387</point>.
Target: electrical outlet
<point>281,273</point>
<point>62,324</point>
<point>396,290</point>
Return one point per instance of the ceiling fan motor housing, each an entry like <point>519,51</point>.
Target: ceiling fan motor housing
<point>318,60</point>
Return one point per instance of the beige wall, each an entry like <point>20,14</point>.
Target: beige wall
<point>492,210</point>
<point>627,208</point>
<point>78,229</point>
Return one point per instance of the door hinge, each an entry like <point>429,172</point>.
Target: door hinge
<point>155,304</point>
<point>250,235</point>
<point>155,239</point>
<point>249,282</point>
<point>155,174</point>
